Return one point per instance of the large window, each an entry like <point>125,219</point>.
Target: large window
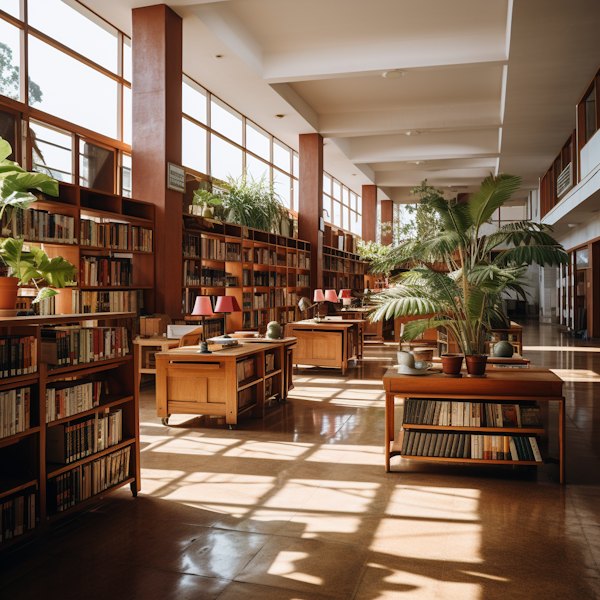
<point>341,206</point>
<point>220,142</point>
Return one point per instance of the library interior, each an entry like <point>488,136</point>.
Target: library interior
<point>299,300</point>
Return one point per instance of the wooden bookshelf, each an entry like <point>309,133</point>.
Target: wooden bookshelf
<point>24,467</point>
<point>268,275</point>
<point>82,205</point>
<point>514,335</point>
<point>521,387</point>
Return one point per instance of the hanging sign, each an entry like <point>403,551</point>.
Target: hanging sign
<point>176,178</point>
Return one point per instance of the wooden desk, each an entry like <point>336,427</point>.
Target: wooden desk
<point>144,351</point>
<point>208,384</point>
<point>498,362</point>
<point>510,387</point>
<point>330,343</point>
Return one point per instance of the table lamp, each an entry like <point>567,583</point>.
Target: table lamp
<point>317,299</point>
<point>346,298</point>
<point>331,296</point>
<point>226,305</point>
<point>203,308</point>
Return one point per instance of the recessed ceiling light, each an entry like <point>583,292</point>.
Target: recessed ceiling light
<point>279,116</point>
<point>416,162</point>
<point>353,174</point>
<point>394,74</point>
<point>573,224</point>
<point>413,133</point>
<point>217,56</point>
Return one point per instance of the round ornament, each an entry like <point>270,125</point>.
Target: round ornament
<point>503,349</point>
<point>273,330</point>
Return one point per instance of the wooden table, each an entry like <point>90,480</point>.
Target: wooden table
<point>144,350</point>
<point>209,384</point>
<point>329,343</point>
<point>498,362</point>
<point>510,387</point>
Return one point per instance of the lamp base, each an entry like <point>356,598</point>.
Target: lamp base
<point>226,336</point>
<point>204,349</point>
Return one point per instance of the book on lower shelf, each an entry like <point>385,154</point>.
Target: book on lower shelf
<point>246,397</point>
<point>15,411</point>
<point>246,369</point>
<point>39,226</point>
<point>86,301</point>
<point>18,355</point>
<point>462,413</point>
<point>84,481</point>
<point>66,444</point>
<point>17,516</point>
<point>73,345</point>
<point>67,399</point>
<point>448,444</point>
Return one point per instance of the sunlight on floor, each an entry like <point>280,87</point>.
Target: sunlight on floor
<point>582,349</point>
<point>577,375</point>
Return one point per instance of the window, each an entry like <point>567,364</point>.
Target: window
<point>258,141</point>
<point>326,184</point>
<point>8,131</point>
<point>126,175</point>
<point>283,187</point>
<point>127,61</point>
<point>127,114</point>
<point>282,156</point>
<point>337,190</point>
<point>11,7</point>
<point>590,115</point>
<point>256,169</point>
<point>72,90</point>
<point>96,167</point>
<point>296,196</point>
<point>225,159</point>
<point>582,259</point>
<point>10,57</point>
<point>194,146</point>
<point>77,28</point>
<point>52,151</point>
<point>296,163</point>
<point>225,120</point>
<point>327,214</point>
<point>337,213</point>
<point>346,196</point>
<point>194,100</point>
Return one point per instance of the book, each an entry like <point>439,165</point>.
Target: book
<point>513,449</point>
<point>531,417</point>
<point>537,456</point>
<point>509,415</point>
<point>455,440</point>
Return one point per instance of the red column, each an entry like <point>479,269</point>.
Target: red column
<point>369,213</point>
<point>310,205</point>
<point>387,222</point>
<point>157,68</point>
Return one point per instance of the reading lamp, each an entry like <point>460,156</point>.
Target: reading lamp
<point>346,297</point>
<point>331,296</point>
<point>203,308</point>
<point>317,299</point>
<point>226,305</point>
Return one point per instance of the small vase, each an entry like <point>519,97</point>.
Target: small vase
<point>451,363</point>
<point>9,287</point>
<point>476,364</point>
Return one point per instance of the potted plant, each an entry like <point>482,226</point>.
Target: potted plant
<point>19,267</point>
<point>465,297</point>
<point>204,203</point>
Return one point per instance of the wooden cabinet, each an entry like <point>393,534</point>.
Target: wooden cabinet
<point>514,387</point>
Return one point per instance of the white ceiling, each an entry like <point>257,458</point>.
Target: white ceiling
<point>487,85</point>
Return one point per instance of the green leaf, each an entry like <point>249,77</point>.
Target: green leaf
<point>5,149</point>
<point>45,292</point>
<point>23,182</point>
<point>492,194</point>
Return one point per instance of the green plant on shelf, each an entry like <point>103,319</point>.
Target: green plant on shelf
<point>455,277</point>
<point>18,190</point>
<point>208,201</point>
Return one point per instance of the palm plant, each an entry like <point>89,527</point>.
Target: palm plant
<point>466,297</point>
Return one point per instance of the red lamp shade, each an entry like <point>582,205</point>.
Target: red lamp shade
<point>203,307</point>
<point>345,294</point>
<point>319,297</point>
<point>331,296</point>
<point>227,304</point>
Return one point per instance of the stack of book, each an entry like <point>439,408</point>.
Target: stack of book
<point>67,398</point>
<point>84,301</point>
<point>17,516</point>
<point>116,271</point>
<point>15,411</point>
<point>104,235</point>
<point>39,226</point>
<point>246,369</point>
<point>141,239</point>
<point>18,355</point>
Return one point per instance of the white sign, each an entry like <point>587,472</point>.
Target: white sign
<point>176,178</point>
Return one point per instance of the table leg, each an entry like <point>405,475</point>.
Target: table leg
<point>389,427</point>
<point>561,438</point>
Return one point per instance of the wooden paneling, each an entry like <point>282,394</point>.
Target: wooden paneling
<point>387,217</point>
<point>157,68</point>
<point>369,213</point>
<point>310,205</point>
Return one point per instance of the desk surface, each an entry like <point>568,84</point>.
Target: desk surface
<point>341,324</point>
<point>235,352</point>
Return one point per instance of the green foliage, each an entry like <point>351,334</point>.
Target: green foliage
<point>254,204</point>
<point>467,297</point>
<point>32,266</point>
<point>372,250</point>
<point>9,78</point>
<point>206,197</point>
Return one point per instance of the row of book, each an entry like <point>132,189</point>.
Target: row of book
<point>70,488</point>
<point>468,445</point>
<point>269,362</point>
<point>471,414</point>
<point>269,386</point>
<point>335,264</point>
<point>258,318</point>
<point>246,397</point>
<point>39,226</point>
<point>115,236</point>
<point>211,249</point>
<point>302,280</point>
<point>66,444</point>
<point>66,400</point>
<point>15,411</point>
<point>101,271</point>
<point>69,346</point>
<point>17,516</point>
<point>195,274</point>
<point>85,301</point>
<point>300,260</point>
<point>18,355</point>
<point>264,256</point>
<point>245,369</point>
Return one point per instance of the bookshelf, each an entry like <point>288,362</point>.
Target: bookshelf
<point>97,232</point>
<point>342,266</point>
<point>455,416</point>
<point>76,432</point>
<point>266,273</point>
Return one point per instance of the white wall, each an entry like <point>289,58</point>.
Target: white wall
<point>590,155</point>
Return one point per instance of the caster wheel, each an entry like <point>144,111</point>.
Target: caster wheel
<point>232,427</point>
<point>165,421</point>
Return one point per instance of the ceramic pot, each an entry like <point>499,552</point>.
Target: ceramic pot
<point>476,364</point>
<point>8,293</point>
<point>451,363</point>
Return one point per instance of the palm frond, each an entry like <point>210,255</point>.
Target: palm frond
<point>492,194</point>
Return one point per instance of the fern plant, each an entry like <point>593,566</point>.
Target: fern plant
<point>466,297</point>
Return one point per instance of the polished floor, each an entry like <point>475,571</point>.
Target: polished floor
<point>298,507</point>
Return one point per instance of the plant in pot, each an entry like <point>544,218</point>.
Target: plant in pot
<point>205,203</point>
<point>19,267</point>
<point>465,295</point>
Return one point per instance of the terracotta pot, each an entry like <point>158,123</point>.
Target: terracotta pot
<point>476,364</point>
<point>8,293</point>
<point>451,363</point>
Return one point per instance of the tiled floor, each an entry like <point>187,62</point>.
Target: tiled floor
<point>298,507</point>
